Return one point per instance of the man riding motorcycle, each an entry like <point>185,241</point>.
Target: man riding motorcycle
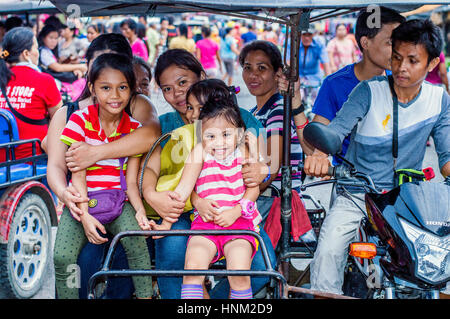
<point>423,110</point>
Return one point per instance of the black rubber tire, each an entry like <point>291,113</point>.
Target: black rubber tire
<point>14,262</point>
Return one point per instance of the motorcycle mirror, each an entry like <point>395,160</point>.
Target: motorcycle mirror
<point>323,138</point>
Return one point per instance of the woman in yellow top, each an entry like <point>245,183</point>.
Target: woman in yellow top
<point>182,41</point>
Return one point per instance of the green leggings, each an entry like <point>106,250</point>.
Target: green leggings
<point>70,239</point>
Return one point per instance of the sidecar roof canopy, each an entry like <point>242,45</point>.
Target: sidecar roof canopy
<point>24,7</point>
<point>272,8</point>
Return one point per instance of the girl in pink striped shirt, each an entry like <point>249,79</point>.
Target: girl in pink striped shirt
<point>213,170</point>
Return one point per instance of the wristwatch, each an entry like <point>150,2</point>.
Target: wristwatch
<point>248,208</point>
<point>298,110</point>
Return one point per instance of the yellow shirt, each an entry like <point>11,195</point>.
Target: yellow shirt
<point>182,42</point>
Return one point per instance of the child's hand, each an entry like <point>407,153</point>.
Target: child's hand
<point>207,209</point>
<point>142,220</point>
<point>227,217</point>
<point>165,225</point>
<point>90,225</point>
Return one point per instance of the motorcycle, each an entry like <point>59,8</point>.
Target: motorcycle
<point>402,246</point>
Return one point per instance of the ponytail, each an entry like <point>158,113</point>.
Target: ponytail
<point>14,43</point>
<point>5,73</point>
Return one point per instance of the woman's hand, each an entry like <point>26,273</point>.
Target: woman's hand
<point>78,73</point>
<point>207,209</point>
<point>80,156</point>
<point>71,197</point>
<point>227,217</point>
<point>91,226</point>
<point>167,204</point>
<point>251,141</point>
<point>83,67</point>
<point>283,85</point>
<point>254,173</point>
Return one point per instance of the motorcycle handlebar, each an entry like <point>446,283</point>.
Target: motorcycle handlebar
<point>343,172</point>
<point>331,170</point>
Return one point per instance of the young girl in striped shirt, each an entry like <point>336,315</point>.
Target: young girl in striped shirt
<point>111,81</point>
<point>213,171</point>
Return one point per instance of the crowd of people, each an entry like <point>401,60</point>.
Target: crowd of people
<point>217,45</point>
<point>325,47</point>
<point>95,143</point>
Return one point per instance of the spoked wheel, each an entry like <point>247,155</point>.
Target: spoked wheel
<point>24,259</point>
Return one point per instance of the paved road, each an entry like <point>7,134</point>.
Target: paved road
<point>247,101</point>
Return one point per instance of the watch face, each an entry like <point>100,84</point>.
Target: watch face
<point>250,207</point>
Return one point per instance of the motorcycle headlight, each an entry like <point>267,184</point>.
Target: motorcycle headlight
<point>433,252</point>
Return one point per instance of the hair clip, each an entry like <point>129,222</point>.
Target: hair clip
<point>234,89</point>
<point>4,54</point>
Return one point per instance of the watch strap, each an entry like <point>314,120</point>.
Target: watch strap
<point>298,110</point>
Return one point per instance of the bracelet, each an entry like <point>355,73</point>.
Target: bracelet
<point>298,110</point>
<point>267,177</point>
<point>301,127</point>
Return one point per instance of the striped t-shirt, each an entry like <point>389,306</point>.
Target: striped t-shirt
<point>271,117</point>
<point>222,181</point>
<point>84,126</point>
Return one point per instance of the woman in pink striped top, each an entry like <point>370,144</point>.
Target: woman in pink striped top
<point>213,170</point>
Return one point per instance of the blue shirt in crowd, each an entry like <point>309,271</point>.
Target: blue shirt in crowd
<point>225,48</point>
<point>309,64</point>
<point>248,37</point>
<point>332,95</point>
